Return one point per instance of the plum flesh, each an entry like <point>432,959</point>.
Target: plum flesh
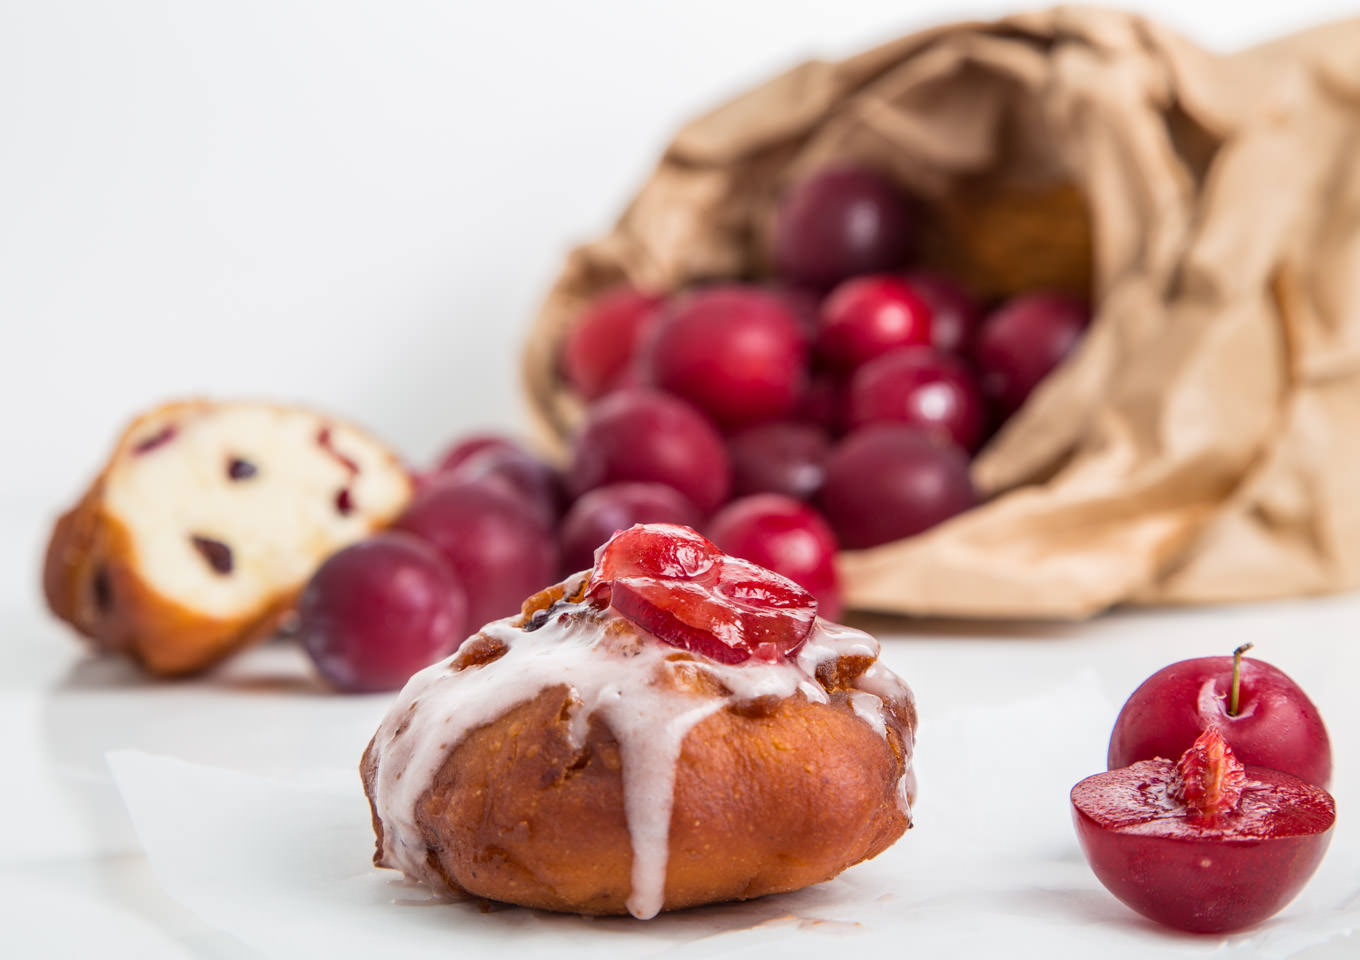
<point>1209,867</point>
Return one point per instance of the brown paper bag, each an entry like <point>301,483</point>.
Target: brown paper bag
<point>1203,444</point>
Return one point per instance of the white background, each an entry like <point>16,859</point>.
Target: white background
<point>357,206</point>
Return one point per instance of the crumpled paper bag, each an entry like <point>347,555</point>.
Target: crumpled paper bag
<point>1203,444</point>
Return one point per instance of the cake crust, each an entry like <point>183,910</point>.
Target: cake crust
<point>96,578</point>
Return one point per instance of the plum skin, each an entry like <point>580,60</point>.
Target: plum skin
<point>736,353</point>
<point>1203,884</point>
<point>1276,725</point>
<point>787,536</point>
<point>842,222</point>
<point>600,513</point>
<point>888,481</point>
<point>495,543</point>
<point>379,610</point>
<point>645,435</point>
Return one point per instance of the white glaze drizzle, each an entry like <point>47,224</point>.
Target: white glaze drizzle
<point>869,709</point>
<point>887,686</point>
<point>648,795</point>
<point>612,674</point>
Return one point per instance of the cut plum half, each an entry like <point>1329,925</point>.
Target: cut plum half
<point>1203,843</point>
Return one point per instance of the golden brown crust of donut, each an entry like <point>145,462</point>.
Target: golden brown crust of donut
<point>768,798</point>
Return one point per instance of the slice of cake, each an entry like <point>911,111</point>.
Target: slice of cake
<point>208,519</point>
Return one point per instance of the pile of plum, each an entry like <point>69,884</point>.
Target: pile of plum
<point>836,406</point>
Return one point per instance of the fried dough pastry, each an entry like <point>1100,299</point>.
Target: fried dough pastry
<point>578,759</point>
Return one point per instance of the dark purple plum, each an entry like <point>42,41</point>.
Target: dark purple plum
<point>737,353</point>
<point>648,436</point>
<point>886,482</point>
<point>496,543</point>
<point>379,610</point>
<point>518,472</point>
<point>921,387</point>
<point>954,315</point>
<point>841,223</point>
<point>604,511</point>
<point>781,457</point>
<point>1022,342</point>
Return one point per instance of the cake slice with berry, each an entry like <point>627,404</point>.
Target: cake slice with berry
<point>208,519</point>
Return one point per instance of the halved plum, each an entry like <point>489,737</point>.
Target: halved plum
<point>1204,843</point>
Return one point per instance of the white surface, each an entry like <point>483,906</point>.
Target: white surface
<point>236,826</point>
<point>358,205</point>
<point>980,875</point>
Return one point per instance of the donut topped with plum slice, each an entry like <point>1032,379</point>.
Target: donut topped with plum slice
<point>673,727</point>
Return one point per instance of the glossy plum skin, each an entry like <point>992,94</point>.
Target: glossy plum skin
<point>599,348</point>
<point>803,303</point>
<point>786,536</point>
<point>1214,876</point>
<point>497,544</point>
<point>866,317</point>
<point>379,610</point>
<point>954,315</point>
<point>517,472</point>
<point>823,403</point>
<point>924,388</point>
<point>783,457</point>
<point>604,511</point>
<point>1023,341</point>
<point>1276,725</point>
<point>889,481</point>
<point>469,447</point>
<point>840,223</point>
<point>648,436</point>
<point>736,353</point>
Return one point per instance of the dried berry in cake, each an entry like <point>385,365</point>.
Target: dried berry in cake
<point>673,727</point>
<point>207,520</point>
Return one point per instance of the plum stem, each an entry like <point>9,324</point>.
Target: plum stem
<point>1237,677</point>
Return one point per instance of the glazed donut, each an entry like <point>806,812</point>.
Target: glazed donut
<point>674,727</point>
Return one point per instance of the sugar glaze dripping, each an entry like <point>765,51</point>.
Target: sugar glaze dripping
<point>648,717</point>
